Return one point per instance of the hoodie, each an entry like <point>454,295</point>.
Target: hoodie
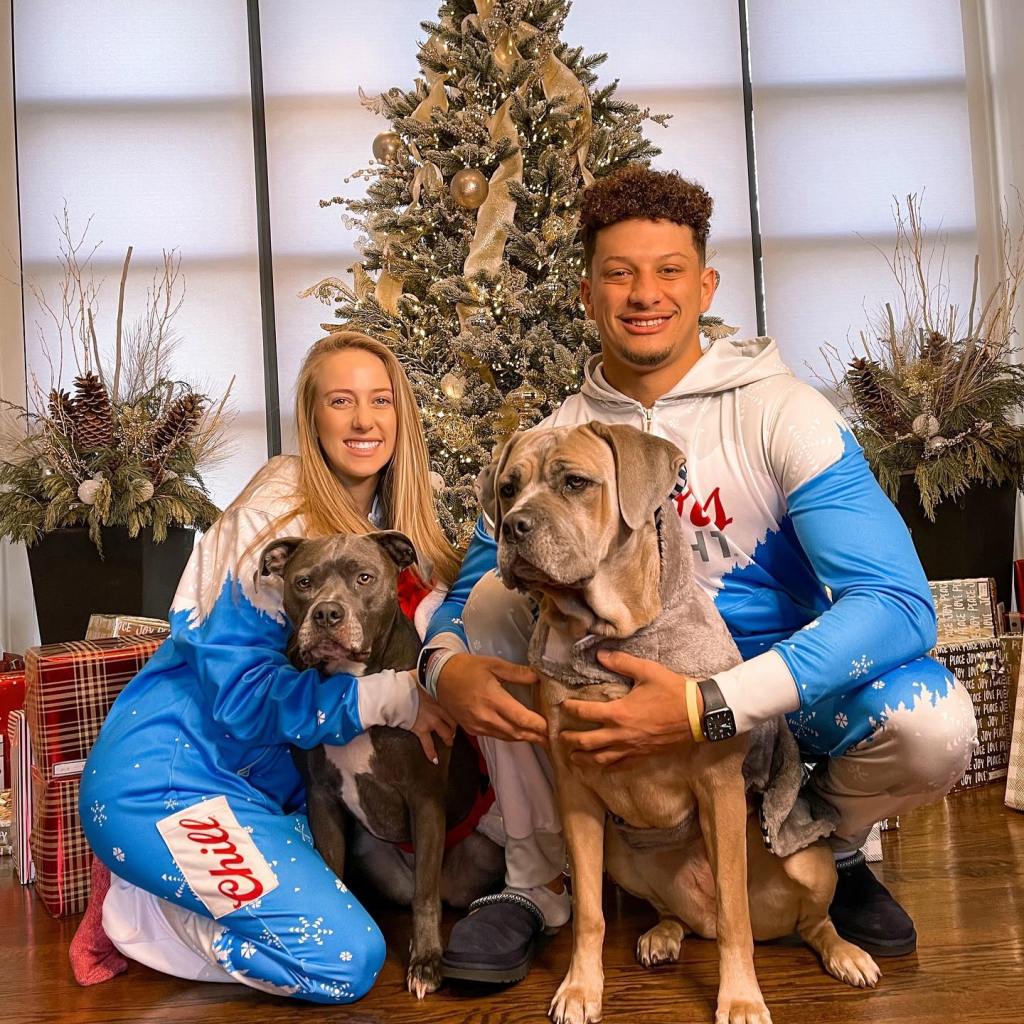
<point>805,558</point>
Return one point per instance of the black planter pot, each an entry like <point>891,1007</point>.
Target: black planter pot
<point>971,537</point>
<point>134,577</point>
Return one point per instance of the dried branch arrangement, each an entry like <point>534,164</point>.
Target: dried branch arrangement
<point>127,446</point>
<point>935,394</point>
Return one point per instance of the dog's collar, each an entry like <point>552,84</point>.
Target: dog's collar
<point>575,664</point>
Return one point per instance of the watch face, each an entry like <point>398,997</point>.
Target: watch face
<point>719,725</point>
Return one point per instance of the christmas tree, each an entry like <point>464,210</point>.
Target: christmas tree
<point>470,257</point>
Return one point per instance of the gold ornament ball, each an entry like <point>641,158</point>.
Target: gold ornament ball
<point>387,146</point>
<point>526,397</point>
<point>469,188</point>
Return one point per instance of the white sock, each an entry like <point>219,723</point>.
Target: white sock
<point>555,906</point>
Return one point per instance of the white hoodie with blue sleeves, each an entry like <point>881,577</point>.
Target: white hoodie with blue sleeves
<point>807,560</point>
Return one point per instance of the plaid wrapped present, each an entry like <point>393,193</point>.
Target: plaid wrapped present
<point>60,852</point>
<point>69,690</point>
<point>12,697</point>
<point>21,793</point>
<point>981,666</point>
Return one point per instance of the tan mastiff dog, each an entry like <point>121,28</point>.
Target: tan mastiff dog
<point>576,516</point>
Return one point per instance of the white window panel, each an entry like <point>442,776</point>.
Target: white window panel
<point>138,115</point>
<point>854,104</point>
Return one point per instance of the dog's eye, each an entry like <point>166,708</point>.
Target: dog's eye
<point>363,578</point>
<point>303,583</point>
<point>576,483</point>
<point>507,490</point>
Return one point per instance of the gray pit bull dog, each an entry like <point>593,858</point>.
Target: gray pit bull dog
<point>379,789</point>
<point>584,525</point>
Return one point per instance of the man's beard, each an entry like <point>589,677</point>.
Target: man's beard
<point>630,355</point>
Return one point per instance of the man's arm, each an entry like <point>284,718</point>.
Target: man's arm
<point>470,686</point>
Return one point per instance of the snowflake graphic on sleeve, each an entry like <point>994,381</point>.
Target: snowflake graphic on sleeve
<point>859,667</point>
<point>320,718</point>
<point>300,827</point>
<point>841,720</point>
<point>98,816</point>
<point>345,955</point>
<point>248,950</point>
<point>118,854</point>
<point>340,885</point>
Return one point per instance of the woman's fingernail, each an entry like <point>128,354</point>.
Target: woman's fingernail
<point>436,761</point>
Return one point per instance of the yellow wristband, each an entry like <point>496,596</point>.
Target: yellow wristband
<point>692,711</point>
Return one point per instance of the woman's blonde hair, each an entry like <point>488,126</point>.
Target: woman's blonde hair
<point>404,490</point>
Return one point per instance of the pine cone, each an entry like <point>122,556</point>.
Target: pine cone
<point>93,418</point>
<point>935,347</point>
<point>180,422</point>
<point>62,413</point>
<point>870,396</point>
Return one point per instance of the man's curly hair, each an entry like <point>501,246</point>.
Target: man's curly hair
<point>635,191</point>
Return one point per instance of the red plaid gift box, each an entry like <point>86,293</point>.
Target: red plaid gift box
<point>70,688</point>
<point>12,697</point>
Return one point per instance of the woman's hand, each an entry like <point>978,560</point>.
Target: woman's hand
<point>651,716</point>
<point>432,718</point>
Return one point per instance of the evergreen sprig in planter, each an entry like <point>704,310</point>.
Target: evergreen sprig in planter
<point>103,483</point>
<point>934,400</point>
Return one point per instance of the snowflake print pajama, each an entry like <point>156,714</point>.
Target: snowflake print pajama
<point>190,795</point>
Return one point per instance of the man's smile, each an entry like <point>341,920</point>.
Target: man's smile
<point>647,323</point>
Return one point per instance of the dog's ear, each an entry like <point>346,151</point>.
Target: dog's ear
<point>396,546</point>
<point>274,557</point>
<point>487,478</point>
<point>646,469</point>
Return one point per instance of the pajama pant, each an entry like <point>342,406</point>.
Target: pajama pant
<point>892,743</point>
<point>308,937</point>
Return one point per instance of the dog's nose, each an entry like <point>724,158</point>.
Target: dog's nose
<point>516,526</point>
<point>328,613</point>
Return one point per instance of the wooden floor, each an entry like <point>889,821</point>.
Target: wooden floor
<point>958,867</point>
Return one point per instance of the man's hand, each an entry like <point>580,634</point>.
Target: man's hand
<point>650,717</point>
<point>470,689</point>
<point>432,718</point>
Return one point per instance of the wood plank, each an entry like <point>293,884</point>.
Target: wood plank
<point>958,867</point>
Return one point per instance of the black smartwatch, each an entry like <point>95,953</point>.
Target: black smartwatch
<point>717,722</point>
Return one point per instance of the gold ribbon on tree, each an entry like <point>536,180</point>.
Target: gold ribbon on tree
<point>427,176</point>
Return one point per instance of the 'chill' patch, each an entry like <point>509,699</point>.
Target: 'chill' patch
<point>217,856</point>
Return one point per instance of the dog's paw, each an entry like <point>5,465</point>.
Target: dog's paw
<point>851,964</point>
<point>424,975</point>
<point>661,945</point>
<point>742,1011</point>
<point>576,1004</point>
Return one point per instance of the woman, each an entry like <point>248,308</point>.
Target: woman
<point>190,795</point>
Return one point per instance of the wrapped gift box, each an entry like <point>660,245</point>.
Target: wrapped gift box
<point>981,666</point>
<point>12,697</point>
<point>102,626</point>
<point>21,796</point>
<point>872,848</point>
<point>965,609</point>
<point>69,690</point>
<point>1015,768</point>
<point>6,823</point>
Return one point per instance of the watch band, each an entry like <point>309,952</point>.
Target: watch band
<point>692,711</point>
<point>718,722</point>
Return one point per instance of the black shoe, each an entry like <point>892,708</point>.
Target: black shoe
<point>865,913</point>
<point>495,942</point>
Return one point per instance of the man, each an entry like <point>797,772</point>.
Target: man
<point>809,564</point>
